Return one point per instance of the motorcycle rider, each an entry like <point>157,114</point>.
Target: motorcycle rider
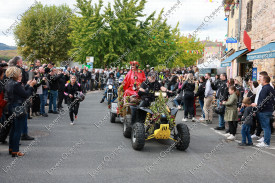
<point>71,90</point>
<point>110,81</point>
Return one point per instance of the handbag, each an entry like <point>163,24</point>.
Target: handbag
<point>19,111</point>
<point>220,109</point>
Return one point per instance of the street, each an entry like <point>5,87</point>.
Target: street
<point>94,150</point>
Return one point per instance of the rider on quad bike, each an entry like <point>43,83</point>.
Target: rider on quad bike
<point>148,88</point>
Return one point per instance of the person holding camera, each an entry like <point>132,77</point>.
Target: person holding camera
<point>16,95</point>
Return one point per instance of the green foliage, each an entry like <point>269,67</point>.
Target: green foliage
<point>43,33</point>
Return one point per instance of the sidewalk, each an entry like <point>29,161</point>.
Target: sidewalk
<point>215,123</point>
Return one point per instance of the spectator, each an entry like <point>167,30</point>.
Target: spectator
<point>265,106</point>
<point>17,95</point>
<point>53,78</point>
<point>208,98</point>
<point>247,120</point>
<point>222,95</point>
<point>231,112</point>
<point>44,85</point>
<point>188,87</point>
<point>200,94</point>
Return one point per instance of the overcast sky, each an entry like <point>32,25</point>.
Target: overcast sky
<point>190,14</point>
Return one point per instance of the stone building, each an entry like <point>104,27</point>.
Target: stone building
<point>257,18</point>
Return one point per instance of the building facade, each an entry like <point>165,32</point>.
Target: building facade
<point>257,18</point>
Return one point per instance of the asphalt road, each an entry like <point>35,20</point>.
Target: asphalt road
<point>94,150</point>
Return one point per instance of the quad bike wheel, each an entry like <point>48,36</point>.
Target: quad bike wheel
<point>184,137</point>
<point>112,117</point>
<point>126,129</point>
<point>138,136</point>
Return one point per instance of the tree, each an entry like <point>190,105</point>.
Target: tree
<point>43,33</point>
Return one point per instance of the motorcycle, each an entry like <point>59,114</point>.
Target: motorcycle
<point>111,93</point>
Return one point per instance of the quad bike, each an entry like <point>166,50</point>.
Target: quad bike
<point>157,121</point>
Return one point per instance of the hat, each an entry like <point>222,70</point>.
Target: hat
<point>134,63</point>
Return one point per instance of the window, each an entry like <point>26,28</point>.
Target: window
<point>249,16</point>
<point>233,10</point>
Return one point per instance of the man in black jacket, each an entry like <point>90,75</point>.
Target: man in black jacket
<point>222,95</point>
<point>61,88</point>
<point>53,82</point>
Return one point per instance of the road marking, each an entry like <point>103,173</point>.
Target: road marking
<point>251,146</point>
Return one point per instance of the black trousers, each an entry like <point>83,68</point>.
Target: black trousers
<point>188,105</point>
<point>61,97</point>
<point>4,132</point>
<point>233,127</point>
<point>256,125</point>
<point>73,108</point>
<point>36,103</point>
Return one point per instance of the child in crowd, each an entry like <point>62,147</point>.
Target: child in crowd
<point>231,112</point>
<point>247,120</point>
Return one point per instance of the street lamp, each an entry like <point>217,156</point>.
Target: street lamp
<point>227,11</point>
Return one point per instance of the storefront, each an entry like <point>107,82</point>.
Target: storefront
<point>263,59</point>
<point>235,62</point>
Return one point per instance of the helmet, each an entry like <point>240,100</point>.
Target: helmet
<point>80,96</point>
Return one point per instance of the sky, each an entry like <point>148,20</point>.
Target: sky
<point>191,15</point>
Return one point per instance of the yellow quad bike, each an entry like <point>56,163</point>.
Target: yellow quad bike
<point>158,122</point>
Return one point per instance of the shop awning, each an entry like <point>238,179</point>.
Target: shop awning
<point>227,62</point>
<point>267,51</point>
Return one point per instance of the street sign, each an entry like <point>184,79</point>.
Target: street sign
<point>254,74</point>
<point>90,59</point>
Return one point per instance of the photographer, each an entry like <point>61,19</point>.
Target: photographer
<point>17,95</point>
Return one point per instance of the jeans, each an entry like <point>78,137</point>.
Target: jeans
<point>202,104</point>
<point>53,99</point>
<point>15,132</point>
<point>264,118</point>
<point>88,85</point>
<point>246,134</point>
<point>43,100</point>
<point>176,102</point>
<point>221,116</point>
<point>25,126</point>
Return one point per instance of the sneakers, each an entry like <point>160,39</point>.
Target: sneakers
<point>202,119</point>
<point>242,144</point>
<point>193,119</point>
<point>45,115</point>
<point>72,123</point>
<point>50,111</point>
<point>219,128</point>
<point>227,134</point>
<point>231,137</point>
<point>262,144</point>
<point>254,136</point>
<point>55,112</point>
<point>208,122</point>
<point>184,119</point>
<point>261,139</point>
<point>102,101</point>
